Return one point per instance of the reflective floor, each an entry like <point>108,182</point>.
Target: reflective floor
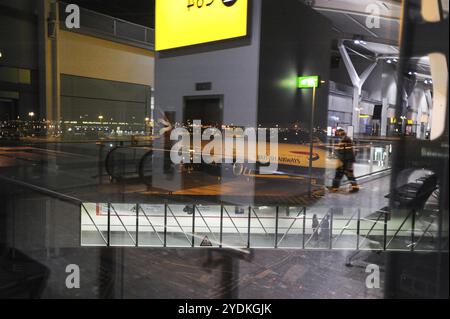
<point>148,273</point>
<point>194,274</point>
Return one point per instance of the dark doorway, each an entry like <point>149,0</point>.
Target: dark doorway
<point>7,110</point>
<point>208,109</point>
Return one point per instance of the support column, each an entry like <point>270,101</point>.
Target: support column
<point>384,113</point>
<point>357,81</point>
<point>356,110</point>
<point>42,56</point>
<point>49,70</point>
<point>56,85</point>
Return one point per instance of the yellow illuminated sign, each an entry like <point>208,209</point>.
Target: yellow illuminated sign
<point>182,23</point>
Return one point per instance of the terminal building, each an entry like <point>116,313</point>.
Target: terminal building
<point>91,93</point>
<point>104,47</point>
<point>87,75</point>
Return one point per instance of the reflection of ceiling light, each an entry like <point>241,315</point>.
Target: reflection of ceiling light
<point>359,42</point>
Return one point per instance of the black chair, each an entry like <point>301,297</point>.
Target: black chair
<point>414,195</point>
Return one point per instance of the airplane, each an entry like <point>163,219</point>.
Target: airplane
<point>292,161</point>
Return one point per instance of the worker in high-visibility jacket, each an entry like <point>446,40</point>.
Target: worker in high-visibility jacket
<point>345,152</point>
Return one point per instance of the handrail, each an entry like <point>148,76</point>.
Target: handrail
<point>77,201</point>
<point>107,160</point>
<point>381,171</point>
<point>55,195</point>
<point>112,22</point>
<point>43,191</point>
<point>113,18</point>
<point>110,161</point>
<point>290,223</point>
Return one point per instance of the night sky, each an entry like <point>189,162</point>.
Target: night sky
<point>137,11</point>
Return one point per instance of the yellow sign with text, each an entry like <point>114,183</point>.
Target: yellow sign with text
<point>181,23</point>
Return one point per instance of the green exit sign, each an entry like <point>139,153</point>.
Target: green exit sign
<point>308,82</point>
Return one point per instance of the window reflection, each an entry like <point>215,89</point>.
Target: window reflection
<point>87,171</point>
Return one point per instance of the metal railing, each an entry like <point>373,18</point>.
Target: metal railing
<point>176,225</point>
<point>111,28</point>
<point>225,226</point>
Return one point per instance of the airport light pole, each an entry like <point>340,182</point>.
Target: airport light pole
<point>30,124</point>
<point>147,125</point>
<point>310,82</point>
